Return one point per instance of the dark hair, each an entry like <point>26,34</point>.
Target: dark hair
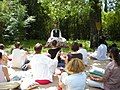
<point>75,46</point>
<point>116,56</point>
<point>114,45</point>
<point>17,44</point>
<point>81,45</point>
<point>54,42</point>
<point>102,40</point>
<point>38,48</point>
<point>0,55</point>
<point>2,46</point>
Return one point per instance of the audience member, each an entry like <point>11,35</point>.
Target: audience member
<point>19,56</point>
<point>73,54</point>
<point>101,52</point>
<point>4,54</point>
<point>111,78</point>
<point>42,66</point>
<point>4,76</point>
<point>53,51</point>
<point>74,78</point>
<point>83,51</point>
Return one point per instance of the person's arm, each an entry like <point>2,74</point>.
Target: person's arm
<point>64,57</point>
<point>51,35</point>
<point>97,79</point>
<point>28,65</point>
<point>5,70</point>
<point>60,36</point>
<point>63,80</point>
<point>106,76</point>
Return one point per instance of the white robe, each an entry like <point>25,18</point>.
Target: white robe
<point>59,39</point>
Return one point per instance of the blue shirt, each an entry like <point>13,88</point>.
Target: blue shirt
<point>74,81</point>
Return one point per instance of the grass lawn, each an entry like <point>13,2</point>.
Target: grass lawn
<point>29,44</point>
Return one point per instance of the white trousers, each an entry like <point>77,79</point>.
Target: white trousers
<point>95,84</point>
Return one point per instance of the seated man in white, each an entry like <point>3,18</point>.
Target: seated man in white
<point>42,66</point>
<point>84,53</point>
<point>18,56</point>
<point>101,52</point>
<point>56,35</point>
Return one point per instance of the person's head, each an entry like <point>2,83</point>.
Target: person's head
<point>80,45</point>
<point>75,46</point>
<point>17,45</point>
<point>75,65</point>
<point>38,48</point>
<point>114,45</point>
<point>102,40</point>
<point>56,24</point>
<point>114,53</point>
<point>0,55</point>
<point>2,46</point>
<point>102,37</point>
<point>54,43</point>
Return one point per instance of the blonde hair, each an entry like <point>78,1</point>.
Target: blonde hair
<point>75,65</point>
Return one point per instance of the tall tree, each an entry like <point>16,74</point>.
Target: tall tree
<point>38,28</point>
<point>95,23</point>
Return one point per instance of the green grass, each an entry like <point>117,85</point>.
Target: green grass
<point>29,44</point>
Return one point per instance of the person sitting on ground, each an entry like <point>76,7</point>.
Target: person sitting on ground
<point>42,66</point>
<point>56,35</point>
<point>74,78</point>
<point>73,54</point>
<point>4,76</point>
<point>4,54</point>
<point>53,51</point>
<point>84,53</point>
<point>111,77</point>
<point>101,52</point>
<point>19,56</point>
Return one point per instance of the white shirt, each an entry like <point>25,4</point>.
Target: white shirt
<point>101,52</point>
<point>18,57</point>
<point>43,67</point>
<point>74,81</point>
<point>84,53</point>
<point>2,77</point>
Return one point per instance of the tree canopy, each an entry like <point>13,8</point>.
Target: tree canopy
<point>33,19</point>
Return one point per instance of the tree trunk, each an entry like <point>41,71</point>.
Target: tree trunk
<point>1,32</point>
<point>95,23</point>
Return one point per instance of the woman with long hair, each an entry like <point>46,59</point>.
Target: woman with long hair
<point>111,78</point>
